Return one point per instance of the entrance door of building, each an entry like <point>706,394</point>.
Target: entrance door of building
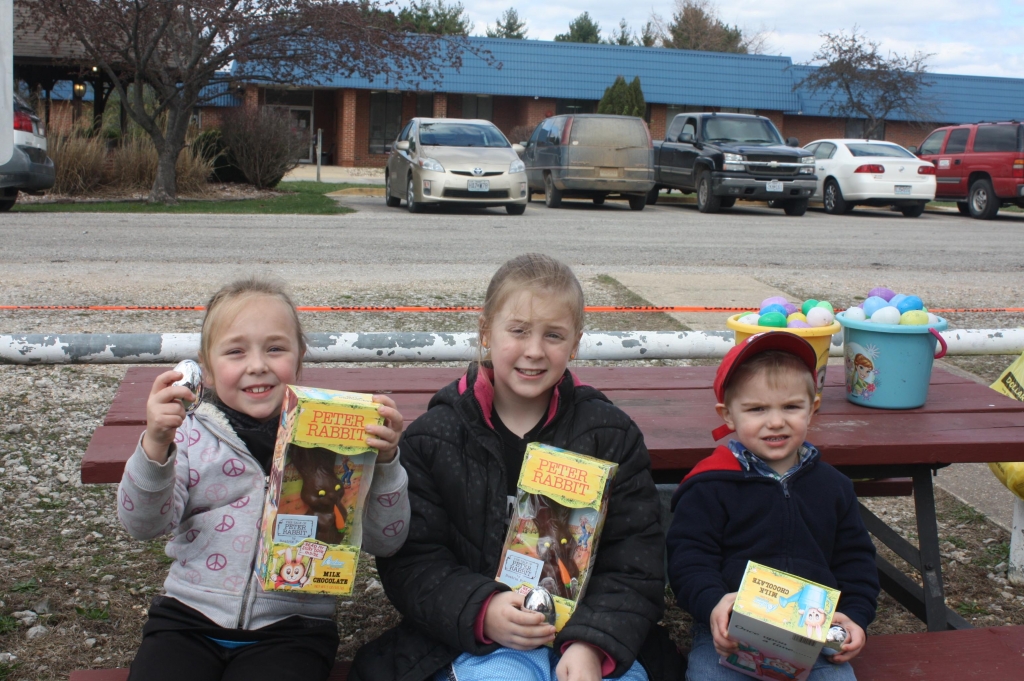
<point>302,124</point>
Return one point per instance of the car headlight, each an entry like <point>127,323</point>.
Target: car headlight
<point>431,164</point>
<point>732,162</point>
<point>517,166</point>
<point>807,159</point>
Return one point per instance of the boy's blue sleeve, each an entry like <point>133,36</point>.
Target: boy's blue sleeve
<point>695,551</point>
<point>853,563</point>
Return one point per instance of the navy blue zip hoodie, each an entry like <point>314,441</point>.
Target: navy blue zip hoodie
<point>808,525</point>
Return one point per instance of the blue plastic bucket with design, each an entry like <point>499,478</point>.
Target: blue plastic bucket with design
<point>889,366</point>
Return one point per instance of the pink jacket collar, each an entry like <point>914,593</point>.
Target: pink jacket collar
<point>483,391</point>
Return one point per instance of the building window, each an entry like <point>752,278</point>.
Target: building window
<point>575,106</point>
<point>385,119</point>
<point>478,106</point>
<point>855,130</point>
<point>279,97</point>
<point>425,105</point>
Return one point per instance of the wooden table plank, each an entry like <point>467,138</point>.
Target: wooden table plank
<point>966,655</point>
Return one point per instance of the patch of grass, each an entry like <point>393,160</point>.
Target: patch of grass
<point>7,624</point>
<point>7,669</point>
<point>969,609</point>
<point>157,551</point>
<point>27,587</point>
<point>92,613</point>
<point>963,513</point>
<point>995,554</point>
<point>956,541</point>
<point>299,198</point>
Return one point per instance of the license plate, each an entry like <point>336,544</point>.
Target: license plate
<point>903,189</point>
<point>773,186</point>
<point>479,185</point>
<point>608,172</point>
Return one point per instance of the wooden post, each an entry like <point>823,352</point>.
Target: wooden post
<point>1015,571</point>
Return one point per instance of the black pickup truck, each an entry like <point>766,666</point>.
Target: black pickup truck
<point>724,157</point>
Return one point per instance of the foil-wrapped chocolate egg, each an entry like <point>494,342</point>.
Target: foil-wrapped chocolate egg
<point>539,600</point>
<point>191,378</point>
<point>834,640</point>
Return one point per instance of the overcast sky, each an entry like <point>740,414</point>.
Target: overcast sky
<point>982,37</point>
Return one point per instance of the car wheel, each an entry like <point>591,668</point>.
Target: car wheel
<point>982,200</point>
<point>515,208</point>
<point>7,200</point>
<point>833,200</point>
<point>728,202</point>
<point>552,195</point>
<point>795,207</point>
<point>963,207</point>
<point>652,196</point>
<point>914,211</point>
<point>389,199</point>
<point>410,198</point>
<point>707,202</point>
<point>637,202</point>
<point>599,200</point>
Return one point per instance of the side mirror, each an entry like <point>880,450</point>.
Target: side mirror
<point>518,148</point>
<point>912,150</point>
<point>402,145</point>
<point>686,137</point>
<point>524,143</point>
<point>792,142</point>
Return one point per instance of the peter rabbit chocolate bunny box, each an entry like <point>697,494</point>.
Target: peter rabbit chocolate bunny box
<point>560,509</point>
<point>321,473</point>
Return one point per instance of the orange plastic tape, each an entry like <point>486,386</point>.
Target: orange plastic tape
<point>426,308</point>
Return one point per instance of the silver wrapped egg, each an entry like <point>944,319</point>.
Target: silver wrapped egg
<point>191,378</point>
<point>834,640</point>
<point>539,600</point>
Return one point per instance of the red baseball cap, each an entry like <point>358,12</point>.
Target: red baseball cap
<point>755,345</point>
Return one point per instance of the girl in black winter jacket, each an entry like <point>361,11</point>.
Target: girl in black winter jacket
<point>464,457</point>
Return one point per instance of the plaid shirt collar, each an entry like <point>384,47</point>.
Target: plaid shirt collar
<point>750,462</point>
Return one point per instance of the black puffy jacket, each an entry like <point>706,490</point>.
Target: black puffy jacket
<point>446,571</point>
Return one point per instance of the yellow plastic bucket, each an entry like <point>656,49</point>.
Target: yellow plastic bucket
<point>819,337</point>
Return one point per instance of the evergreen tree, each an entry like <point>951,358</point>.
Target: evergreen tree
<point>623,99</point>
<point>695,25</point>
<point>623,36</point>
<point>436,17</point>
<point>508,25</point>
<point>648,35</point>
<point>582,29</point>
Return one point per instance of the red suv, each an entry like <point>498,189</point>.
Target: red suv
<point>980,166</point>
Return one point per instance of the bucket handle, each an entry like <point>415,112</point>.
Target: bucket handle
<point>942,341</point>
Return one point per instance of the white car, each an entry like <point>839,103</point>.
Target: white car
<point>30,169</point>
<point>855,172</point>
<point>451,160</point>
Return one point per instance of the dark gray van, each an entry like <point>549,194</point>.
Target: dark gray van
<point>590,156</point>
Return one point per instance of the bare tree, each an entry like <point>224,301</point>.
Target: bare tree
<point>176,49</point>
<point>859,81</point>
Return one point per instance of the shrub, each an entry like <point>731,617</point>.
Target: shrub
<point>133,166</point>
<point>210,145</point>
<point>623,99</point>
<point>78,161</point>
<point>521,133</point>
<point>262,143</point>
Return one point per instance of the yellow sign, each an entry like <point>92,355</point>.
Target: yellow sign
<point>333,419</point>
<point>570,479</point>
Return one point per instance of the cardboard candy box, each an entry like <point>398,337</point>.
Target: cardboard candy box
<point>321,473</point>
<point>560,509</point>
<point>780,622</point>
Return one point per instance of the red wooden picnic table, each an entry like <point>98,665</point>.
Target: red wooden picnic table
<point>674,407</point>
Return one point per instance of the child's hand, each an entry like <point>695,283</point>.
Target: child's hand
<point>580,662</point>
<point>164,414</point>
<point>854,641</point>
<point>507,624</point>
<point>385,438</point>
<point>724,645</point>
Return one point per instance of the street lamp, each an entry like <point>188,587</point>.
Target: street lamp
<point>78,90</point>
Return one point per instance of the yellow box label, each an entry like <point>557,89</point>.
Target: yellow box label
<point>570,479</point>
<point>338,425</point>
<point>787,601</point>
<point>312,567</point>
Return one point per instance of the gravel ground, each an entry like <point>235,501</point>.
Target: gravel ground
<point>215,191</point>
<point>77,587</point>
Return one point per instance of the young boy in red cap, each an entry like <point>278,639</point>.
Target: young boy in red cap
<point>767,497</point>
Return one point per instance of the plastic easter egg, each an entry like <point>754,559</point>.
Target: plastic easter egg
<point>910,303</point>
<point>872,304</point>
<point>932,319</point>
<point>886,315</point>
<point>819,316</point>
<point>797,315</point>
<point>895,300</point>
<point>808,304</point>
<point>882,292</point>
<point>855,314</point>
<point>749,319</point>
<point>774,300</point>
<point>791,308</point>
<point>826,305</point>
<point>775,319</point>
<point>797,324</point>
<point>774,307</point>
<point>914,318</point>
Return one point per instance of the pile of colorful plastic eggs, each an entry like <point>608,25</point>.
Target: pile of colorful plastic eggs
<point>884,306</point>
<point>780,313</point>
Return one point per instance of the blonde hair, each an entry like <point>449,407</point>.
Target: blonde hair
<point>537,273</point>
<point>226,303</point>
<point>774,364</point>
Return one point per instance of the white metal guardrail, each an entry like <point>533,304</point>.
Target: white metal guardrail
<point>169,348</point>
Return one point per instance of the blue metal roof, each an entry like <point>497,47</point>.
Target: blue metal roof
<point>219,93</point>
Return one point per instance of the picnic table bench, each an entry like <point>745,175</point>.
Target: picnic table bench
<point>884,452</point>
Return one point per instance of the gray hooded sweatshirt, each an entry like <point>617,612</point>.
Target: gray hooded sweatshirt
<point>209,496</point>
